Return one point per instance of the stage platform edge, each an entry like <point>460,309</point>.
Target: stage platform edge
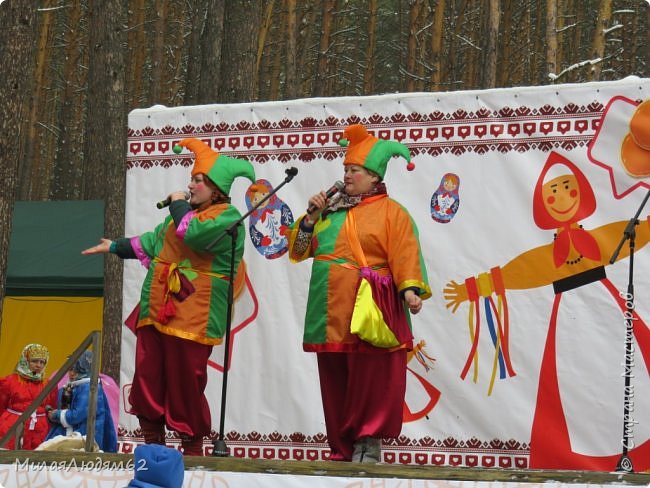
<point>334,469</point>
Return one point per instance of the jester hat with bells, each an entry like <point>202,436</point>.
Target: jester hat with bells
<point>220,169</point>
<point>371,153</point>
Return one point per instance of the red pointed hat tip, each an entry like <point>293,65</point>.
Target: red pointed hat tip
<point>410,166</point>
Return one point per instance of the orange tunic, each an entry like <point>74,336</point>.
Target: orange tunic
<point>389,239</point>
<point>169,252</point>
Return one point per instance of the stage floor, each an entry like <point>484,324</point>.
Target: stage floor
<point>62,469</point>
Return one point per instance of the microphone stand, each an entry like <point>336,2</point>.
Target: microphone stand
<point>625,463</point>
<point>219,443</point>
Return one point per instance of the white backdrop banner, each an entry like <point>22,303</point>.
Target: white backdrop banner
<point>512,377</point>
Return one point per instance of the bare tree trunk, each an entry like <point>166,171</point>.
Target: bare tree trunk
<point>17,55</point>
<point>308,29</point>
<point>489,75</point>
<point>505,75</point>
<point>598,41</point>
<point>338,76</point>
<point>67,174</point>
<point>239,54</point>
<point>473,62</point>
<point>437,35</point>
<point>536,68</point>
<point>577,39</point>
<point>157,51</point>
<point>630,39</point>
<point>458,13</point>
<point>175,84</point>
<point>211,52</point>
<point>534,43</point>
<point>356,53</point>
<point>106,128</point>
<point>198,13</point>
<point>521,27</point>
<point>334,76</point>
<point>401,52</point>
<point>369,72</point>
<point>411,45</point>
<point>136,51</point>
<point>276,66</point>
<point>560,16</point>
<point>551,37</point>
<point>31,175</point>
<point>291,70</point>
<point>324,48</point>
<point>265,28</point>
<point>421,67</point>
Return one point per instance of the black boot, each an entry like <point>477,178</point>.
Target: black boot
<point>153,432</point>
<point>192,445</point>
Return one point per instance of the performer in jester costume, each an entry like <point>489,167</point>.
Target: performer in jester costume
<point>366,260</point>
<point>183,303</point>
<point>574,262</point>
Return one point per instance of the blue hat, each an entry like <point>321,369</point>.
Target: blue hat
<point>157,466</point>
<point>83,365</point>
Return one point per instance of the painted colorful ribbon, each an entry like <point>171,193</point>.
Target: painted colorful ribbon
<point>483,287</point>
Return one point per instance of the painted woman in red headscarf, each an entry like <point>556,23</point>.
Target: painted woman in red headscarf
<point>577,424</point>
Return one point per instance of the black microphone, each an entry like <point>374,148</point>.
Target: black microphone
<point>165,203</point>
<point>336,187</point>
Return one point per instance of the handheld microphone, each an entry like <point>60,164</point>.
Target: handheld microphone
<point>336,187</point>
<point>165,203</point>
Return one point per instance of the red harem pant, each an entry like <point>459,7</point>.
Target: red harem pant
<point>363,396</point>
<point>169,382</point>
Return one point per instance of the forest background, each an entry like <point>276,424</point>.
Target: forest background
<point>72,70</point>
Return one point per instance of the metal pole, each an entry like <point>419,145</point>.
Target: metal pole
<point>94,386</point>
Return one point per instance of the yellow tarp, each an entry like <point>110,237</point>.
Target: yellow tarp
<point>60,323</point>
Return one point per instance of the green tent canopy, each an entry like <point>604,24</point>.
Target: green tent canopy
<point>45,249</point>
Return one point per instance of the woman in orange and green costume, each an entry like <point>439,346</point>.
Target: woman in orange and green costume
<point>362,386</point>
<point>183,302</point>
